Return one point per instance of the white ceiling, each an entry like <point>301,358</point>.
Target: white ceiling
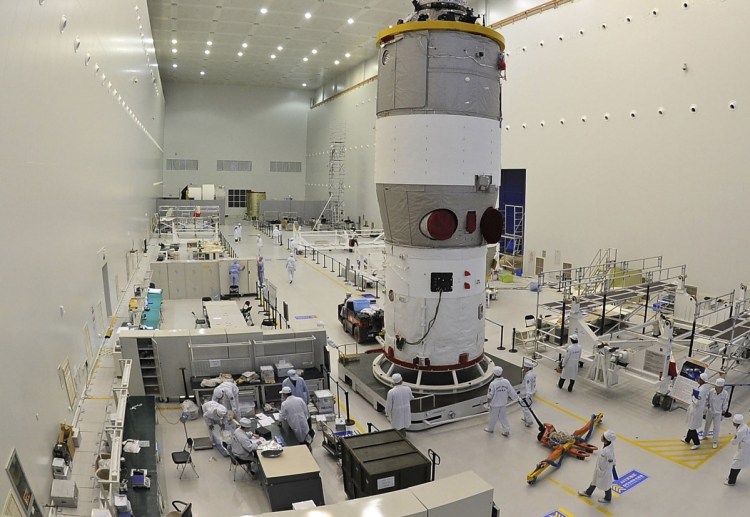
<point>229,23</point>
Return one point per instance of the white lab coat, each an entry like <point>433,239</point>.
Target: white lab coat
<point>294,413</point>
<point>527,393</point>
<point>228,395</point>
<point>237,233</point>
<point>298,386</point>
<point>242,445</point>
<point>293,245</point>
<point>570,361</point>
<point>291,267</point>
<point>741,439</point>
<point>398,406</point>
<point>498,394</point>
<point>603,471</point>
<point>276,236</point>
<point>697,407</point>
<point>215,414</point>
<point>716,405</point>
<point>259,245</point>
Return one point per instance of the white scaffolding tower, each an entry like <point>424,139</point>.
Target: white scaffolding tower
<point>333,211</point>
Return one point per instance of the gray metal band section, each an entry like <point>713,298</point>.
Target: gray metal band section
<point>402,208</point>
<point>448,72</point>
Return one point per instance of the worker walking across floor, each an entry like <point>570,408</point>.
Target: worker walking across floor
<point>499,393</point>
<point>291,267</point>
<point>604,470</point>
<point>741,458</point>
<point>568,367</point>
<point>276,236</point>
<point>695,411</point>
<point>398,403</point>
<point>294,413</point>
<point>259,245</point>
<point>528,391</point>
<point>238,232</point>
<point>261,270</point>
<point>716,405</point>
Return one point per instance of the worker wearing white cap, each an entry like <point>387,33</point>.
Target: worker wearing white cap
<point>528,391</point>
<point>498,394</point>
<point>215,414</point>
<point>297,385</point>
<point>291,266</point>
<point>604,470</point>
<point>742,456</point>
<point>243,447</point>
<point>398,403</point>
<point>569,363</point>
<point>716,405</point>
<point>294,413</point>
<point>228,395</point>
<point>695,411</point>
<point>259,245</point>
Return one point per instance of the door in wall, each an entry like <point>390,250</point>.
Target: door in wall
<point>513,207</point>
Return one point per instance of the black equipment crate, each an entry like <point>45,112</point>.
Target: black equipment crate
<point>381,462</point>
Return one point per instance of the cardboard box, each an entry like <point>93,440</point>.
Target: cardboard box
<point>65,436</point>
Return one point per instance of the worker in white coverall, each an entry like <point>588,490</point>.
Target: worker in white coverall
<point>297,385</point>
<point>243,446</point>
<point>398,403</point>
<point>276,236</point>
<point>603,472</point>
<point>741,458</point>
<point>215,414</point>
<point>237,233</point>
<point>528,391</point>
<point>695,411</point>
<point>716,405</point>
<point>499,393</point>
<point>259,245</point>
<point>261,270</point>
<point>228,395</point>
<point>569,363</point>
<point>291,266</point>
<point>294,413</point>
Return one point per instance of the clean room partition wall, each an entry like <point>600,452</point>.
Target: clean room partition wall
<point>81,126</point>
<point>211,122</point>
<point>629,118</point>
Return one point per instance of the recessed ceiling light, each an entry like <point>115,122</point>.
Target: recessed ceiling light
<point>304,85</point>
<point>203,72</point>
<point>304,59</point>
<point>263,10</point>
<point>174,42</point>
<point>244,45</point>
<point>273,56</point>
<point>240,54</point>
<point>314,51</point>
<point>174,65</point>
<point>279,48</point>
<point>350,21</point>
<point>347,55</point>
<point>174,51</point>
<point>207,52</point>
<point>308,16</point>
<point>209,43</point>
<point>336,62</point>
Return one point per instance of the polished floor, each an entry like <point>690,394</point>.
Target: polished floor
<point>675,479</point>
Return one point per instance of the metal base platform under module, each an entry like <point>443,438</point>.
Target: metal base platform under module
<point>426,410</point>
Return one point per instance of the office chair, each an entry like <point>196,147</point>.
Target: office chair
<point>245,465</point>
<point>185,457</point>
<point>185,511</point>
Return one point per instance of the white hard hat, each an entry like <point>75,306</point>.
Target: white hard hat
<point>291,373</point>
<point>245,422</point>
<point>574,338</point>
<point>704,377</point>
<point>720,382</point>
<point>221,410</point>
<point>498,371</point>
<point>397,379</point>
<point>610,436</point>
<point>738,419</point>
<point>286,390</point>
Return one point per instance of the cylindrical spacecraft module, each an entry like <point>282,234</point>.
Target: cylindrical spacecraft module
<point>437,170</point>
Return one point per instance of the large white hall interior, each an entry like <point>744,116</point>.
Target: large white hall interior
<point>627,117</point>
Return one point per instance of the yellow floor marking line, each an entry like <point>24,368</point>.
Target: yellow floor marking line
<point>574,492</point>
<point>563,410</point>
<point>356,423</point>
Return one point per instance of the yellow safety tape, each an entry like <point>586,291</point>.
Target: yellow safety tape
<point>356,424</point>
<point>574,492</point>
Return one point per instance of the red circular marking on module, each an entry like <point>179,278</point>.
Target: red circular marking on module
<point>440,224</point>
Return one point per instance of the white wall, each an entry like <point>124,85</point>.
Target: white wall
<point>77,176</point>
<point>210,122</point>
<point>673,184</point>
<point>356,110</point>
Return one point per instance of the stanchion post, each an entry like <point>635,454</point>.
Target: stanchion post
<point>513,346</point>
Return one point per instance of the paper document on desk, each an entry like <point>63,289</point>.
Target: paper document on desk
<point>264,420</point>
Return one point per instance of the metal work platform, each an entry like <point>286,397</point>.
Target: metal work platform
<point>426,410</point>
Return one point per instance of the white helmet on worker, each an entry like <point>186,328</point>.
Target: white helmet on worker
<point>397,379</point>
<point>292,372</point>
<point>704,377</point>
<point>720,382</point>
<point>610,436</point>
<point>286,390</point>
<point>574,338</point>
<point>498,371</point>
<point>738,419</point>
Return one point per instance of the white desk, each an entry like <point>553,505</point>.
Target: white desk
<point>225,314</point>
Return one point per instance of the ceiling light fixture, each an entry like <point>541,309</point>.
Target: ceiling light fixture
<point>203,72</point>
<point>314,51</point>
<point>279,48</point>
<point>174,65</point>
<point>304,59</point>
<point>209,43</point>
<point>350,21</point>
<point>336,62</point>
<point>207,52</point>
<point>273,56</point>
<point>308,16</point>
<point>244,45</point>
<point>263,10</point>
<point>347,55</point>
<point>174,51</point>
<point>304,85</point>
<point>174,42</point>
<point>240,54</point>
